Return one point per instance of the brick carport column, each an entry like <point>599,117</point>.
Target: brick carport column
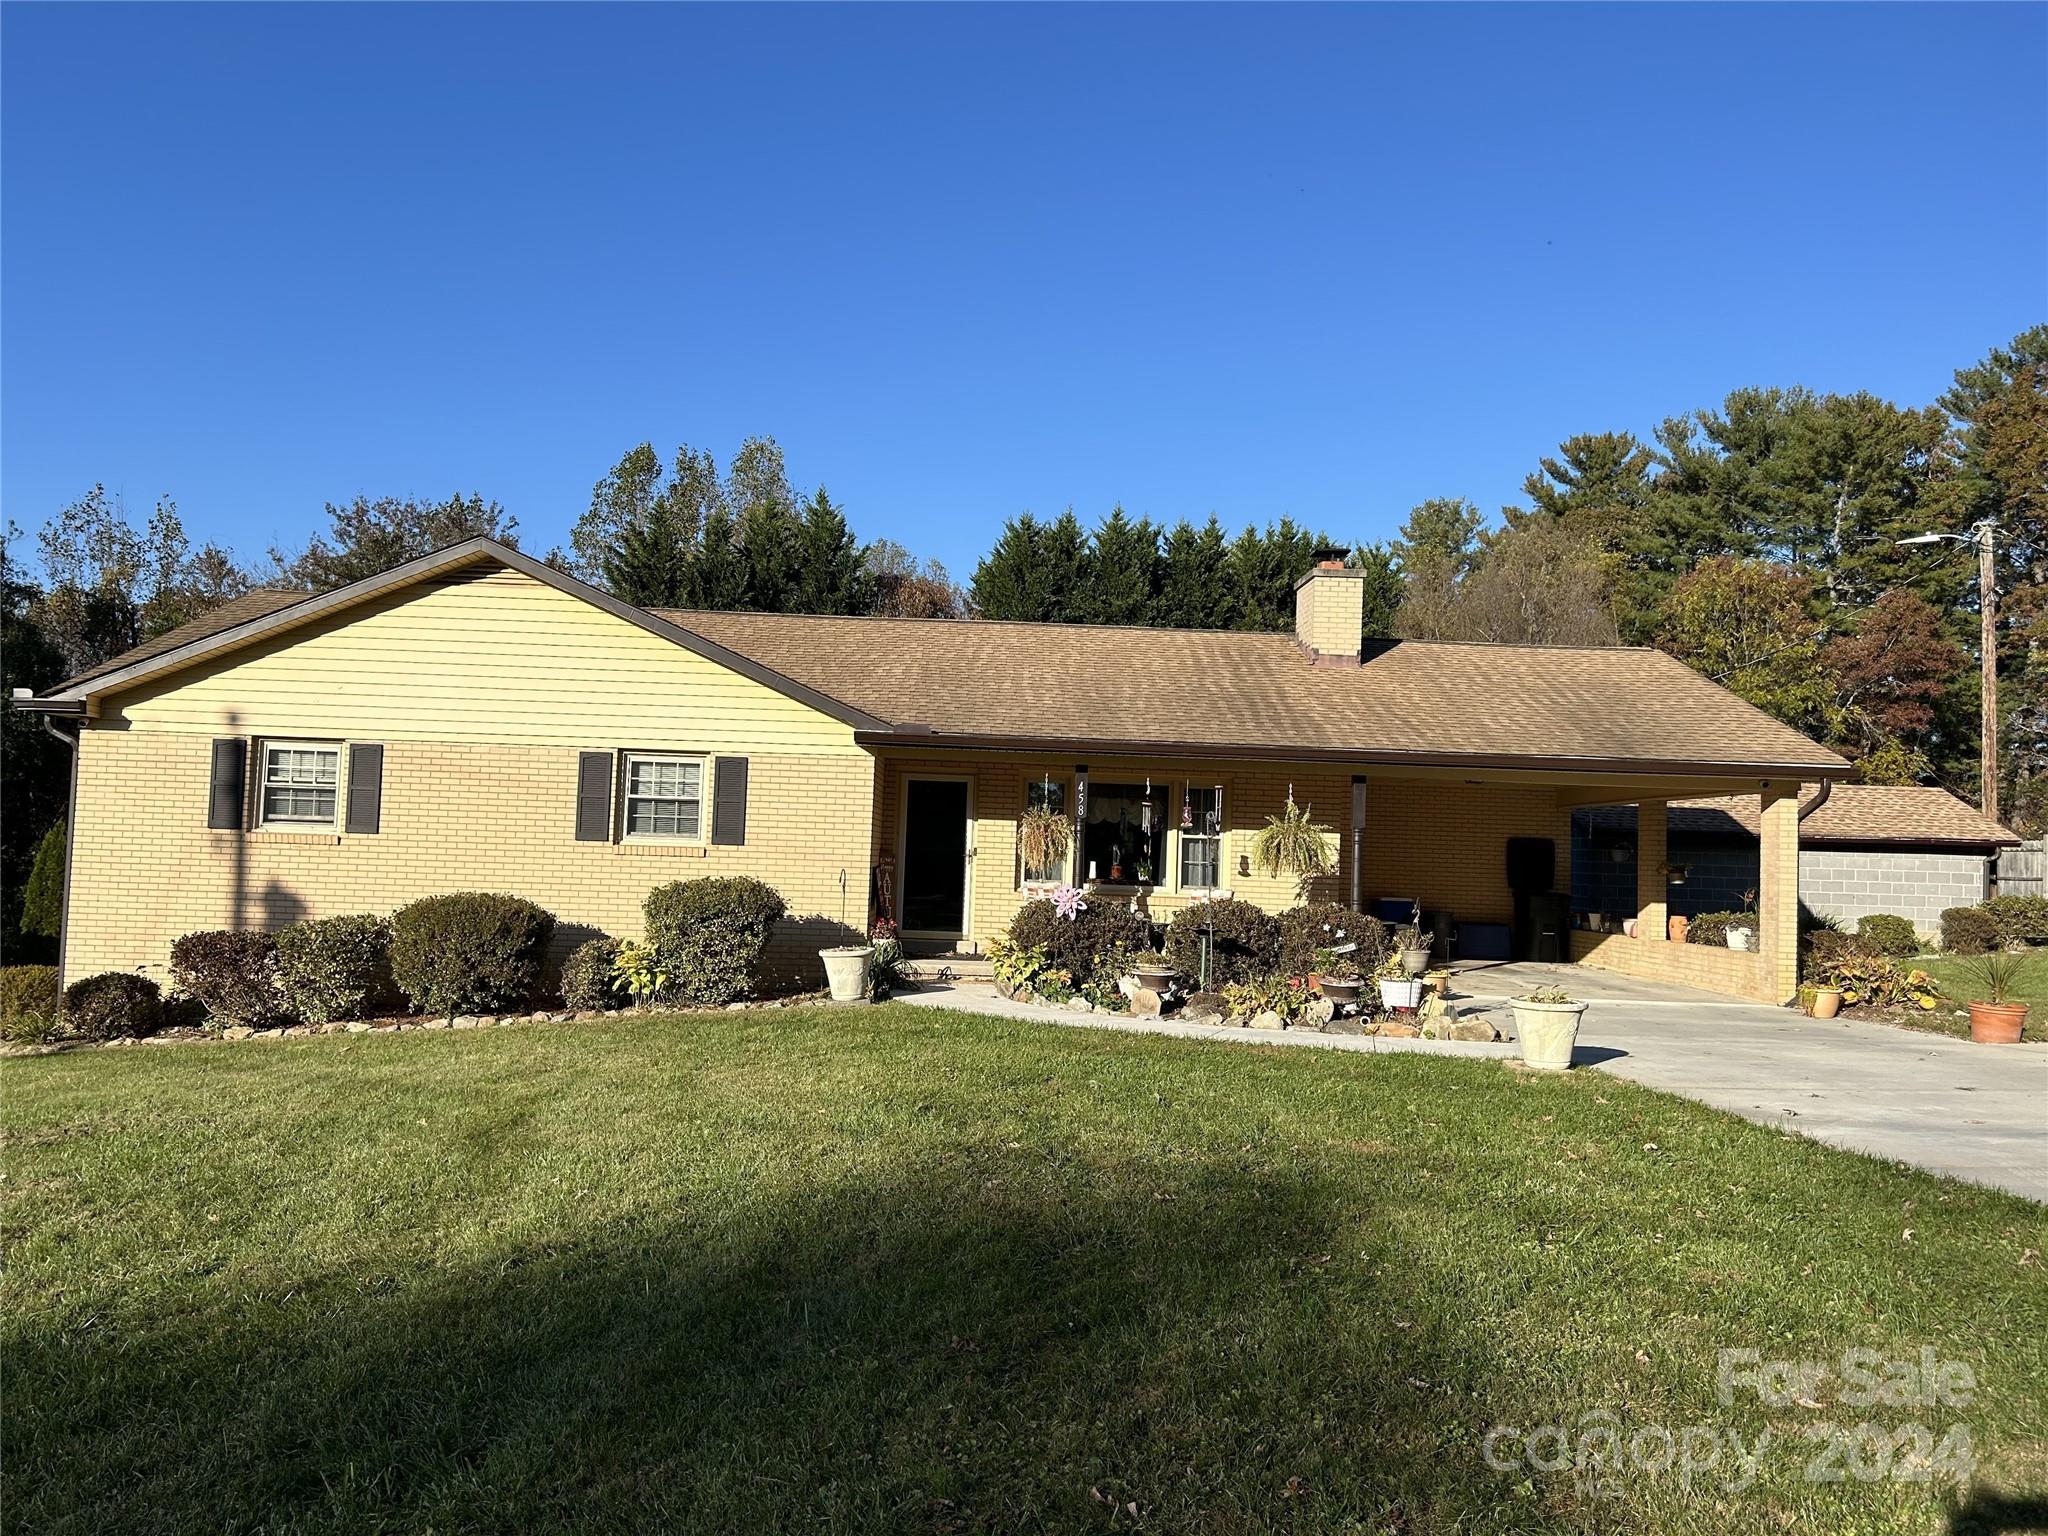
<point>1651,876</point>
<point>1778,891</point>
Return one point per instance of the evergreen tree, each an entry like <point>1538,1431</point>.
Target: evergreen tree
<point>367,538</point>
<point>770,536</point>
<point>1008,583</point>
<point>42,897</point>
<point>664,516</point>
<point>831,575</point>
<point>718,575</point>
<point>1123,575</point>
<point>1191,588</point>
<point>1260,571</point>
<point>1383,589</point>
<point>1064,563</point>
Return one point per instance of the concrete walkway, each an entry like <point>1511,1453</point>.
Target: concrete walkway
<point>1977,1112</point>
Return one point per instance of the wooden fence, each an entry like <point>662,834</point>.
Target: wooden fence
<point>2023,871</point>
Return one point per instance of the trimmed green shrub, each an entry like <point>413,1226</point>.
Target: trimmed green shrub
<point>1712,927</point>
<point>28,1003</point>
<point>1091,945</point>
<point>471,952</point>
<point>2020,919</point>
<point>709,935</point>
<point>587,975</point>
<point>111,1005</point>
<point>1323,924</point>
<point>334,967</point>
<point>1968,931</point>
<point>1889,934</point>
<point>1247,941</point>
<point>232,974</point>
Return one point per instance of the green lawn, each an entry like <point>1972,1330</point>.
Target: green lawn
<point>895,1270</point>
<point>1952,974</point>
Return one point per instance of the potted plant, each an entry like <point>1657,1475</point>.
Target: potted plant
<point>1292,844</point>
<point>1144,872</point>
<point>1154,974</point>
<point>1742,935</point>
<point>1398,989</point>
<point>1547,1027</point>
<point>1043,836</point>
<point>1337,976</point>
<point>1827,998</point>
<point>846,965</point>
<point>1413,949</point>
<point>1676,926</point>
<point>1995,1019</point>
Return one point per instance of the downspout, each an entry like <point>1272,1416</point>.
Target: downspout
<point>70,847</point>
<point>1827,787</point>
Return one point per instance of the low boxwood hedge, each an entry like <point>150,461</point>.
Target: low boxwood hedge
<point>1247,941</point>
<point>232,974</point>
<point>111,1005</point>
<point>710,936</point>
<point>334,967</point>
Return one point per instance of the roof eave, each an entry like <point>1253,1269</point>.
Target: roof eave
<point>1693,768</point>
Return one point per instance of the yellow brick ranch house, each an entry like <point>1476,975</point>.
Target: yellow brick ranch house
<point>477,720</point>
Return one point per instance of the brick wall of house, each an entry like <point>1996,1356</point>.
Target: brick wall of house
<point>456,816</point>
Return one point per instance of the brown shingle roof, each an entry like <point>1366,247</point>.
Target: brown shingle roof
<point>253,604</point>
<point>1211,691</point>
<point>1852,813</point>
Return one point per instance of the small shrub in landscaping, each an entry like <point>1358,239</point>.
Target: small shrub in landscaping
<point>1712,927</point>
<point>1889,934</point>
<point>1022,968</point>
<point>472,952</point>
<point>230,973</point>
<point>709,935</point>
<point>111,1005</point>
<point>1095,945</point>
<point>1322,925</point>
<point>1247,944</point>
<point>637,975</point>
<point>335,967</point>
<point>28,1003</point>
<point>1287,996</point>
<point>2020,919</point>
<point>1968,931</point>
<point>1872,980</point>
<point>587,975</point>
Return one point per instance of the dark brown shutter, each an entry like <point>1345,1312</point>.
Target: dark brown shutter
<point>729,801</point>
<point>365,787</point>
<point>594,797</point>
<point>230,766</point>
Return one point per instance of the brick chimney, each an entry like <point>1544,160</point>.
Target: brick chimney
<point>1329,611</point>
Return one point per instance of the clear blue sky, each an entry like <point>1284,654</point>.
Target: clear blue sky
<point>968,261</point>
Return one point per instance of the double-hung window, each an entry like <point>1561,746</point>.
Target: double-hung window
<point>1201,839</point>
<point>301,785</point>
<point>664,796</point>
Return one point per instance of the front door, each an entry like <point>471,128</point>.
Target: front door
<point>935,855</point>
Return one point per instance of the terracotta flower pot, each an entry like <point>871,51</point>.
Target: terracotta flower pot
<point>1827,1002</point>
<point>1997,1023</point>
<point>1677,927</point>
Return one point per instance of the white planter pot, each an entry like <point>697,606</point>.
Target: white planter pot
<point>1403,992</point>
<point>1547,1032</point>
<point>846,971</point>
<point>1742,938</point>
<point>1415,961</point>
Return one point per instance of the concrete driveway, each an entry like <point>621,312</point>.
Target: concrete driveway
<point>1979,1112</point>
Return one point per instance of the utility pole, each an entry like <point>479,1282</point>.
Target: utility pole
<point>1987,609</point>
<point>1985,536</point>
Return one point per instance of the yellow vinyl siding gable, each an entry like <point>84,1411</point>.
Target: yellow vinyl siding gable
<point>480,656</point>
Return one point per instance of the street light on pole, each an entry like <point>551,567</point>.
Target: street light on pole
<point>1984,535</point>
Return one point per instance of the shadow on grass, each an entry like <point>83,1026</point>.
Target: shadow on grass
<point>1997,1514</point>
<point>975,1346</point>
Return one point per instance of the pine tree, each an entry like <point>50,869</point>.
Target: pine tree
<point>831,576</point>
<point>1123,571</point>
<point>1383,589</point>
<point>1191,577</point>
<point>42,898</point>
<point>718,575</point>
<point>1008,583</point>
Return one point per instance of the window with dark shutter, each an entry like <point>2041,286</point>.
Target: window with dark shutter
<point>594,797</point>
<point>365,787</point>
<point>224,802</point>
<point>729,801</point>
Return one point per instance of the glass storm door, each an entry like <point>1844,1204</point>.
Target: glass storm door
<point>935,858</point>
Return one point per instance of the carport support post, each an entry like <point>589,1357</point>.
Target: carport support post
<point>1651,875</point>
<point>1778,891</point>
